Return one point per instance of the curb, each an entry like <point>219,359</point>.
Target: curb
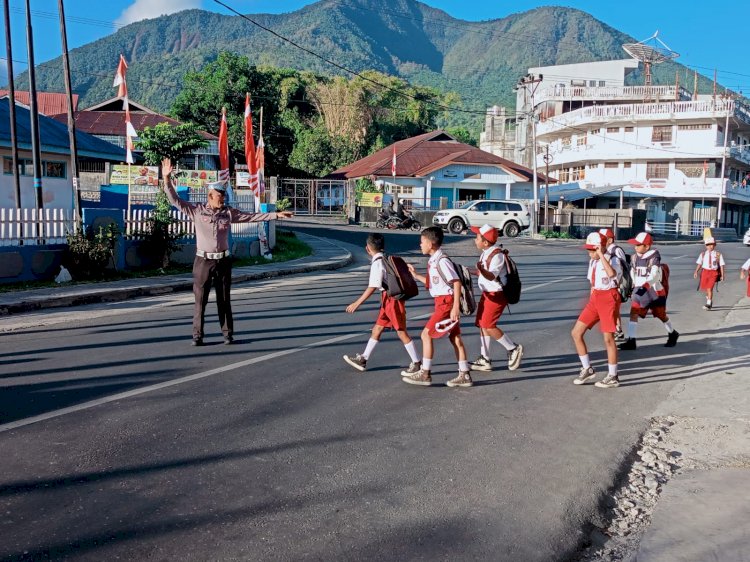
<point>156,286</point>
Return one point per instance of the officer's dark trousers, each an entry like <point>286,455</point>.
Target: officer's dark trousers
<point>219,274</point>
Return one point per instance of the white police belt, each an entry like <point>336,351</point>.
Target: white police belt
<point>212,255</point>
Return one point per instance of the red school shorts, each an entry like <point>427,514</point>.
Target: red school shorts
<point>490,308</point>
<point>709,278</point>
<point>748,286</point>
<point>392,313</point>
<point>443,307</point>
<point>603,307</point>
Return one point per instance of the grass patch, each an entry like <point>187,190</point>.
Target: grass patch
<point>553,234</point>
<point>288,247</point>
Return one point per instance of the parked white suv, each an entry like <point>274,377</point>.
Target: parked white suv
<point>509,217</point>
<point>746,238</point>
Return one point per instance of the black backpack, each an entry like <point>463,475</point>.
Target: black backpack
<point>512,284</point>
<point>625,283</point>
<point>399,283</point>
<point>467,302</point>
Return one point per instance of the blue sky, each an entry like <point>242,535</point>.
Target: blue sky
<point>707,36</point>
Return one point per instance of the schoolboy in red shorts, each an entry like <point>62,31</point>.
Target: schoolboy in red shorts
<point>649,294</point>
<point>445,287</point>
<point>603,308</point>
<point>491,270</point>
<point>710,264</point>
<point>392,312</point>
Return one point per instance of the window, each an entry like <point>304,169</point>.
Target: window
<point>25,167</point>
<point>629,129</point>
<point>602,83</point>
<point>657,170</point>
<point>566,141</point>
<point>611,165</point>
<point>577,173</point>
<point>613,129</point>
<point>595,131</point>
<point>581,140</point>
<point>514,207</point>
<point>627,165</point>
<point>53,169</point>
<point>470,176</point>
<point>481,207</point>
<point>694,127</point>
<point>690,169</point>
<point>662,133</point>
<point>592,83</point>
<point>497,206</point>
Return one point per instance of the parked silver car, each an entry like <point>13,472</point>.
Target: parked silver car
<point>509,217</point>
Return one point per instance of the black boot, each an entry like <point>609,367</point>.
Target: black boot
<point>672,338</point>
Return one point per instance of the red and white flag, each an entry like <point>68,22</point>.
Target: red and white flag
<point>122,91</point>
<point>393,162</point>
<point>223,147</point>
<point>252,165</point>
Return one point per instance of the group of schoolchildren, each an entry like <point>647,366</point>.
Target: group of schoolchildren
<point>609,271</point>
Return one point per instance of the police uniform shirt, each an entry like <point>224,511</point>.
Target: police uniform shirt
<point>377,272</point>
<point>212,225</point>
<point>437,286</point>
<point>711,259</point>
<point>496,267</point>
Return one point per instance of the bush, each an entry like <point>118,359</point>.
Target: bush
<point>89,251</point>
<point>553,234</point>
<point>159,240</point>
<point>282,204</point>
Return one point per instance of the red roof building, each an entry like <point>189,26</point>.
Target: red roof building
<point>107,121</point>
<point>436,165</point>
<point>49,103</point>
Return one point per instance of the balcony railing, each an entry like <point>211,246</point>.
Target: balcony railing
<point>611,93</point>
<point>634,111</point>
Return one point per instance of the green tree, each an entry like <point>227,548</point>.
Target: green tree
<point>169,141</point>
<point>463,135</point>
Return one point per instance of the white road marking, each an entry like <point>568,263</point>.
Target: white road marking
<point>219,370</point>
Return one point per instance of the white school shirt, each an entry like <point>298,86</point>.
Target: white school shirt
<point>746,265</point>
<point>377,271</point>
<point>598,277</point>
<point>708,260</point>
<point>438,287</point>
<point>496,267</point>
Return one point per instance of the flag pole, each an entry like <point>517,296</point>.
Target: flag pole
<point>261,173</point>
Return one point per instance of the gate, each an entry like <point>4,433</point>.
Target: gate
<point>315,197</point>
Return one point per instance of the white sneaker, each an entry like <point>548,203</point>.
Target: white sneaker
<point>608,382</point>
<point>514,357</point>
<point>481,364</point>
<point>585,375</point>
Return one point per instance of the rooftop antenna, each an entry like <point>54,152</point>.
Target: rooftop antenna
<point>650,51</point>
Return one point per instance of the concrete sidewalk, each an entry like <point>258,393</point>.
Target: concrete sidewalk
<point>326,255</point>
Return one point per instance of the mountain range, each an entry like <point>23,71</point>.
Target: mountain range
<point>481,61</point>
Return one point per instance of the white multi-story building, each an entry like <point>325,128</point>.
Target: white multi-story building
<point>659,148</point>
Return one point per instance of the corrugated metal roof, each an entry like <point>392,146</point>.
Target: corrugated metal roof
<point>54,135</point>
<point>420,155</point>
<point>113,122</point>
<point>49,103</point>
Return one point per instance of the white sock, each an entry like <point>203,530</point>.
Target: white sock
<point>506,342</point>
<point>463,366</point>
<point>426,363</point>
<point>632,329</point>
<point>585,361</point>
<point>708,302</point>
<point>668,326</point>
<point>411,349</point>
<point>486,341</point>
<point>612,369</point>
<point>371,343</point>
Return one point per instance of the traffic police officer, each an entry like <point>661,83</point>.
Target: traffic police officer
<point>213,264</point>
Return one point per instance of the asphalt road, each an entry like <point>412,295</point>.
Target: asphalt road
<point>144,447</point>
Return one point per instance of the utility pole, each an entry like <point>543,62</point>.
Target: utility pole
<point>36,154</point>
<point>547,160</point>
<point>71,117</point>
<point>12,107</point>
<point>530,83</point>
<point>729,106</point>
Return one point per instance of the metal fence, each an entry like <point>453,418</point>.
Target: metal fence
<point>315,197</point>
<point>35,226</point>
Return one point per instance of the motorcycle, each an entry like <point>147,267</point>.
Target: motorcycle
<point>383,217</point>
<point>408,222</point>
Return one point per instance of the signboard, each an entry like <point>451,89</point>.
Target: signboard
<point>139,175</point>
<point>197,178</point>
<point>243,179</point>
<point>370,199</point>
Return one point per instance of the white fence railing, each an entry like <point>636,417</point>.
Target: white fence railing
<point>35,226</point>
